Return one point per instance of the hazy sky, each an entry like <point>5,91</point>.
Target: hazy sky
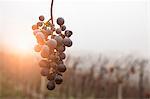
<point>98,25</point>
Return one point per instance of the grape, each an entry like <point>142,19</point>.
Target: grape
<point>40,34</point>
<point>34,27</point>
<point>44,63</point>
<point>67,42</point>
<point>40,38</point>
<point>60,21</point>
<point>61,68</point>
<point>63,27</point>
<point>45,51</point>
<point>49,32</point>
<point>68,33</point>
<point>58,79</point>
<point>52,43</point>
<point>39,24</point>
<point>36,31</point>
<point>41,18</point>
<point>44,32</point>
<point>54,57</point>
<point>51,85</point>
<point>53,65</point>
<point>58,31</point>
<point>51,76</point>
<point>62,56</point>
<point>59,39</point>
<point>44,71</point>
<point>37,48</point>
<point>60,48</point>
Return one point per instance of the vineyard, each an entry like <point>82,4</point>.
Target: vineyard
<point>126,77</point>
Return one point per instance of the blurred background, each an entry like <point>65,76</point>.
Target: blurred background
<point>109,59</point>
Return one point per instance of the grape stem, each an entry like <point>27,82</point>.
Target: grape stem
<point>52,11</point>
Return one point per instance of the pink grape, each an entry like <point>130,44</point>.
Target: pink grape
<point>49,32</point>
<point>44,63</point>
<point>39,24</point>
<point>37,48</point>
<point>59,39</point>
<point>61,48</point>
<point>36,31</point>
<point>44,71</point>
<point>52,43</point>
<point>34,27</point>
<point>45,51</point>
<point>40,38</point>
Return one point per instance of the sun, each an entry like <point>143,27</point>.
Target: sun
<point>23,44</point>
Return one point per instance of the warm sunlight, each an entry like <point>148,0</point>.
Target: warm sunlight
<point>22,44</point>
<point>75,49</point>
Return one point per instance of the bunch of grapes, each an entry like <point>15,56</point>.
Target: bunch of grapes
<point>52,43</point>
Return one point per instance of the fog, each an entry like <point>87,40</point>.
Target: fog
<point>98,25</point>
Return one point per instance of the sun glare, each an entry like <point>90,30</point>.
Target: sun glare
<point>24,44</point>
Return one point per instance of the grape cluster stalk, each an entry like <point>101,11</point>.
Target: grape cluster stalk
<point>51,44</point>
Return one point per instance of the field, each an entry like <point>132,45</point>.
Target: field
<point>126,77</point>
